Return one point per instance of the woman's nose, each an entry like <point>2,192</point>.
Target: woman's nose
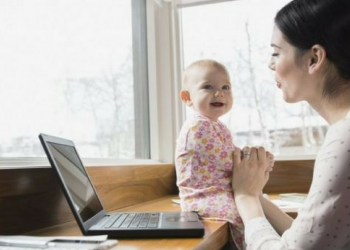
<point>271,64</point>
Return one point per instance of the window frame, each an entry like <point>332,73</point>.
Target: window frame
<point>158,108</point>
<point>164,62</point>
<point>140,73</point>
<point>143,148</point>
<point>178,47</point>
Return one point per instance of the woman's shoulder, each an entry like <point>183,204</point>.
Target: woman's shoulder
<point>342,127</point>
<point>337,140</point>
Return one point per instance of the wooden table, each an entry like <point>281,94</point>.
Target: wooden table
<point>216,232</point>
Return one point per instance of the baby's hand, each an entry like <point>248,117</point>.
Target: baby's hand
<point>270,161</point>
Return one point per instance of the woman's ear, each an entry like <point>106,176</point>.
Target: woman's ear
<point>317,58</point>
<point>185,97</point>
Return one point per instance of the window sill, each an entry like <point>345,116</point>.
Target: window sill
<point>301,157</point>
<point>42,162</point>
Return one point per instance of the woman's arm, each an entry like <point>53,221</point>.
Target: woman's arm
<point>253,173</point>
<point>278,219</point>
<point>250,175</point>
<point>249,207</point>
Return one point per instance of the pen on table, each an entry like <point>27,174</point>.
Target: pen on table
<point>19,243</point>
<point>67,241</point>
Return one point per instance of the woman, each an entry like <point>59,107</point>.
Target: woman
<point>311,61</point>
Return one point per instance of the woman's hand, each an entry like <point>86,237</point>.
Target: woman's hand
<point>251,170</point>
<point>270,160</point>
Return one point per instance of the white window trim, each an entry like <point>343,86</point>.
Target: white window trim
<point>164,76</point>
<point>42,162</point>
<point>166,110</point>
<point>165,67</point>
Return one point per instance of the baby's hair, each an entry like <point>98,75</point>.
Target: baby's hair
<point>200,64</point>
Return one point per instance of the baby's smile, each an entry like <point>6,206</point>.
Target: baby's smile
<point>217,104</point>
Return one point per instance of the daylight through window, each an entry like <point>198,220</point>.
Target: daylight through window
<point>237,34</point>
<point>67,70</point>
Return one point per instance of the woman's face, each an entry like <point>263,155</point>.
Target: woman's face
<point>292,79</point>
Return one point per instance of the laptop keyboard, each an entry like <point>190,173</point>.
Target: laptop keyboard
<point>133,220</point>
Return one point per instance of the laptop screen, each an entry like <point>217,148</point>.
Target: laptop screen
<point>85,200</point>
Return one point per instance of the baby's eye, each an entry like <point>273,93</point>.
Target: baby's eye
<point>208,86</point>
<point>274,54</point>
<point>226,87</point>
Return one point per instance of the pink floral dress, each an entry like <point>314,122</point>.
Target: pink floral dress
<point>204,164</point>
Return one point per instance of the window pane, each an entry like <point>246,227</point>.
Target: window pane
<point>238,34</point>
<point>67,70</point>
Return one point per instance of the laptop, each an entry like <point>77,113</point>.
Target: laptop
<point>89,212</point>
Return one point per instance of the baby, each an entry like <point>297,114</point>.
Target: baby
<point>204,148</point>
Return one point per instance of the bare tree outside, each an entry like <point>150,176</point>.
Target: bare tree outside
<point>242,43</point>
<point>108,98</point>
<point>67,71</point>
<point>253,95</point>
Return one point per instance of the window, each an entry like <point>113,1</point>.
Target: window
<point>75,69</point>
<point>238,33</point>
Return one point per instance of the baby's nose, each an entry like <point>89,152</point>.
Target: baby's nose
<point>218,93</point>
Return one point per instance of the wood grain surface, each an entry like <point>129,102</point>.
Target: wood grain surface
<point>216,232</point>
<point>31,198</point>
<point>290,176</point>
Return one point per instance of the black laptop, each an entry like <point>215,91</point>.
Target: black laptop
<point>90,213</point>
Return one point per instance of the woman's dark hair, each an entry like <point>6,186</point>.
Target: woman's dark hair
<point>305,23</point>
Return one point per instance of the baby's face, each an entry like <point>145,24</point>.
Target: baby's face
<point>210,92</point>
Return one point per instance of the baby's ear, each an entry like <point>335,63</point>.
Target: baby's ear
<point>185,97</point>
